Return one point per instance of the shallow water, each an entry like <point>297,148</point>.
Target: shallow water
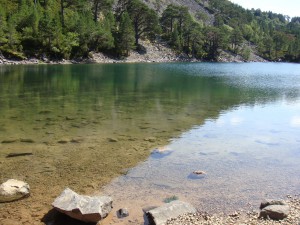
<point>85,124</point>
<point>249,151</point>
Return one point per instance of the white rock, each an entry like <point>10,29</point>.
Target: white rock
<point>160,215</point>
<point>84,208</point>
<point>12,190</point>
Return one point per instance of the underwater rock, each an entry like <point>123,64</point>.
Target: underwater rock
<point>112,139</point>
<point>11,155</point>
<point>63,141</point>
<point>8,141</point>
<point>27,140</point>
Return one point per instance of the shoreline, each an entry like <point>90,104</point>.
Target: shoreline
<point>153,53</point>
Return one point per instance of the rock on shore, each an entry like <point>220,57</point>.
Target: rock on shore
<point>160,215</point>
<point>12,190</point>
<point>83,208</point>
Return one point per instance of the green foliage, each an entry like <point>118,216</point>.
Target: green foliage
<point>125,39</point>
<point>73,28</point>
<point>246,52</point>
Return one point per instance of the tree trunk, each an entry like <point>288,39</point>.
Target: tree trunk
<point>62,13</point>
<point>96,4</point>
<point>136,31</point>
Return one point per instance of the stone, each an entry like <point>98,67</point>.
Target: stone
<point>268,202</point>
<point>199,172</point>
<point>112,139</point>
<point>160,215</point>
<point>63,141</point>
<point>84,208</point>
<point>275,212</point>
<point>8,141</point>
<point>26,140</point>
<point>11,155</point>
<point>123,212</point>
<point>12,190</point>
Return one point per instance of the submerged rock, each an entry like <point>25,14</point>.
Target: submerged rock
<point>27,140</point>
<point>8,141</point>
<point>63,141</point>
<point>83,208</point>
<point>11,155</point>
<point>160,215</point>
<point>12,190</point>
<point>112,139</point>
<point>199,172</point>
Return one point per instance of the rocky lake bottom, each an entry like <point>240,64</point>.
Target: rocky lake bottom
<point>138,132</point>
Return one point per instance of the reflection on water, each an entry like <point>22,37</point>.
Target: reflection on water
<point>87,123</point>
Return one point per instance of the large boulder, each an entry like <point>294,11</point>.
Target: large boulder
<point>84,208</point>
<point>160,215</point>
<point>12,190</point>
<point>274,209</point>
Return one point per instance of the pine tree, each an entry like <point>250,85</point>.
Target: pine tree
<point>125,39</point>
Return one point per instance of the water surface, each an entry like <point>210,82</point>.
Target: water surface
<point>86,124</point>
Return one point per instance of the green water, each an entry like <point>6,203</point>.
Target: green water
<point>85,124</point>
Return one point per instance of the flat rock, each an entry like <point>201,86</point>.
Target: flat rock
<point>83,208</point>
<point>160,215</point>
<point>268,202</point>
<point>8,141</point>
<point>17,154</point>
<point>112,139</point>
<point>63,141</point>
<point>275,212</point>
<point>27,140</point>
<point>12,190</point>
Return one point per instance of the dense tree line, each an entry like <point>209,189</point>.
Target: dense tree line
<point>73,28</point>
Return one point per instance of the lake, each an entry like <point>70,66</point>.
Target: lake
<point>83,125</point>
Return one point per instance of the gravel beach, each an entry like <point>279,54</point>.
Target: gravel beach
<point>240,217</point>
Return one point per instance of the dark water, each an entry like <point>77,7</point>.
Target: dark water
<point>240,123</point>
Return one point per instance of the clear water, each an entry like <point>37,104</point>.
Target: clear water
<point>238,122</point>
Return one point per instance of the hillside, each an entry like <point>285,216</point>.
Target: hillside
<point>198,29</point>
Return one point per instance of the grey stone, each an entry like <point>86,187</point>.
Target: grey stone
<point>275,212</point>
<point>12,190</point>
<point>83,208</point>
<point>268,202</point>
<point>160,215</point>
<point>123,212</point>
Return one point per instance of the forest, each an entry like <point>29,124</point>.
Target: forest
<point>66,29</point>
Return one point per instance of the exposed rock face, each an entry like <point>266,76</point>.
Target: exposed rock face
<point>160,215</point>
<point>12,190</point>
<point>84,208</point>
<point>274,209</point>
